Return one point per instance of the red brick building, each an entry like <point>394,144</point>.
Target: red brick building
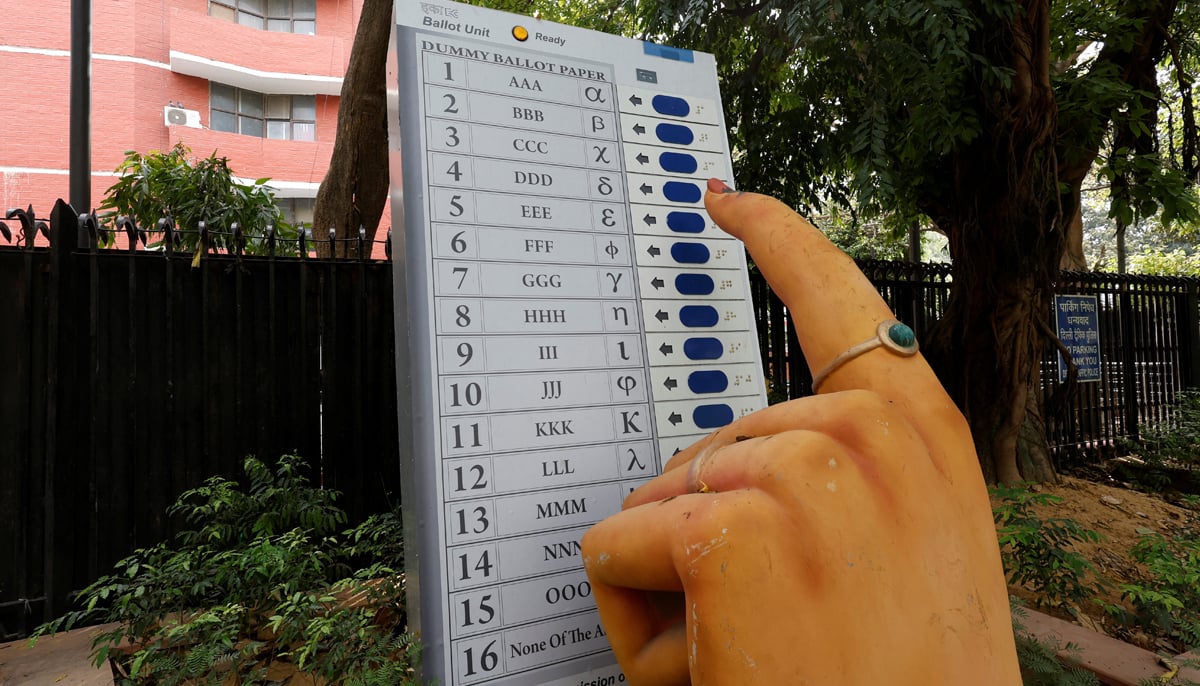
<point>254,80</point>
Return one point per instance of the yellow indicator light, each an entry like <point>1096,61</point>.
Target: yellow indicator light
<point>520,33</point>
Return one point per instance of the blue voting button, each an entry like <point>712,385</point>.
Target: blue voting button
<point>713,381</point>
<point>685,222</point>
<point>698,315</point>
<point>678,163</point>
<point>712,416</point>
<point>674,133</point>
<point>670,105</point>
<point>681,191</point>
<point>703,349</point>
<point>694,284</point>
<point>690,253</point>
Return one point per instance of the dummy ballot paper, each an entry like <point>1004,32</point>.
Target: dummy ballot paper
<point>569,317</point>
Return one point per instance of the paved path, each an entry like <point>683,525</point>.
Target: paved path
<point>60,660</point>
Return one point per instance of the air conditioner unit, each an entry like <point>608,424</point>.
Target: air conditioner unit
<point>177,116</point>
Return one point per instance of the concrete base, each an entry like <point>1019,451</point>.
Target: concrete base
<point>60,660</point>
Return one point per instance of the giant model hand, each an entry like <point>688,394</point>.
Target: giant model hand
<point>838,540</point>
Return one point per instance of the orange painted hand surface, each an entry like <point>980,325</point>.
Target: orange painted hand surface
<point>841,539</point>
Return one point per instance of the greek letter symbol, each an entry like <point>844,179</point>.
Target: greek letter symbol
<point>616,279</point>
<point>627,384</point>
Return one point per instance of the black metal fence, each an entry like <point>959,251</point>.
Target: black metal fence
<point>1149,348</point>
<point>129,376</point>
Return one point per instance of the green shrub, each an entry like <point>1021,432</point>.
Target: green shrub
<point>188,189</point>
<point>1168,603</point>
<point>1174,443</point>
<point>261,581</point>
<point>1038,553</point>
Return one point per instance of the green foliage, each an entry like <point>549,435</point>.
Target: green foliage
<point>1038,553</point>
<point>1175,442</point>
<point>864,240</point>
<point>262,576</point>
<point>1168,603</point>
<point>1178,262</point>
<point>174,184</point>
<point>867,104</point>
<point>1039,661</point>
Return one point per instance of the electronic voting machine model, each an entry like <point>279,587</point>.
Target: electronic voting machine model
<point>568,317</point>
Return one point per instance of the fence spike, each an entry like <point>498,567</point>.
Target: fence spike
<point>202,244</point>
<point>89,224</point>
<point>6,232</point>
<point>362,239</point>
<point>26,218</point>
<point>167,226</point>
<point>271,239</point>
<point>131,230</point>
<point>239,240</point>
<point>333,242</point>
<point>303,245</point>
<point>387,247</point>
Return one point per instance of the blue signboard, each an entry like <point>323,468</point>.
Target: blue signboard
<point>1078,321</point>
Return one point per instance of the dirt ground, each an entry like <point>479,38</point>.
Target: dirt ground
<point>1121,515</point>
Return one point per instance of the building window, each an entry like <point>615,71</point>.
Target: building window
<point>289,16</point>
<point>297,211</point>
<point>285,117</point>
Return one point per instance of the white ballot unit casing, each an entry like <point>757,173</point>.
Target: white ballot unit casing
<point>568,317</point>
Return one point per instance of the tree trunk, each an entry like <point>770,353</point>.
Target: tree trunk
<point>987,350</point>
<point>1007,223</point>
<point>1122,266</point>
<point>355,188</point>
<point>1073,258</point>
<point>914,242</point>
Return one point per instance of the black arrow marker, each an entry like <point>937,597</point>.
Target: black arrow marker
<point>646,189</point>
<point>666,349</point>
<point>642,158</point>
<point>662,316</point>
<point>650,220</point>
<point>657,283</point>
<point>675,418</point>
<point>635,100</point>
<point>654,251</point>
<point>670,384</point>
<point>639,129</point>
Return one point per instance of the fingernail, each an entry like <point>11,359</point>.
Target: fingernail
<point>718,186</point>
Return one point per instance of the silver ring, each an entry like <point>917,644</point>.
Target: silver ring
<point>891,334</point>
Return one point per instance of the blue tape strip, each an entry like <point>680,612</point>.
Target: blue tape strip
<point>667,53</point>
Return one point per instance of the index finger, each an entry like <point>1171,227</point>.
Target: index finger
<point>832,303</point>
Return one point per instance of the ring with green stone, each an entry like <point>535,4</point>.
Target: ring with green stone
<point>890,334</point>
